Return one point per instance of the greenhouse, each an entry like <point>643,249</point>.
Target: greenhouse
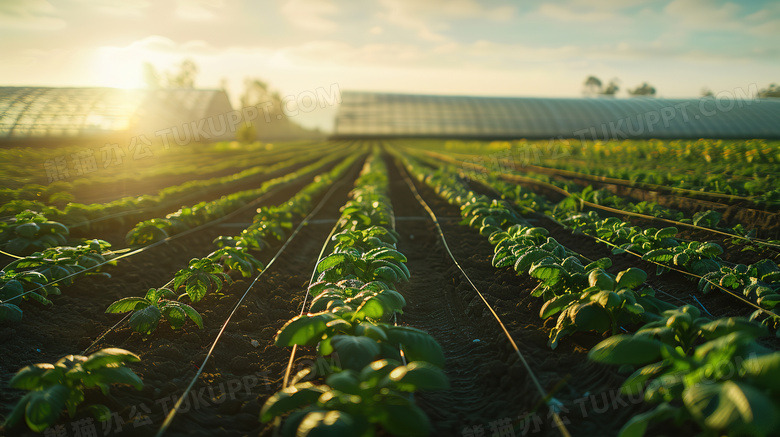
<point>51,114</point>
<point>368,114</point>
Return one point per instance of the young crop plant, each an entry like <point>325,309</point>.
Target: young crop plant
<point>59,264</point>
<point>366,239</point>
<point>53,388</point>
<point>354,402</point>
<point>713,374</point>
<point>759,282</point>
<point>381,263</point>
<point>199,277</point>
<point>42,274</point>
<point>16,286</point>
<point>375,300</point>
<point>608,303</point>
<point>148,310</point>
<point>31,232</point>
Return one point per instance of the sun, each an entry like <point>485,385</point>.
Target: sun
<point>118,68</point>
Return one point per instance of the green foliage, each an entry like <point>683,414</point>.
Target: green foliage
<point>148,310</point>
<point>355,298</point>
<point>352,402</point>
<point>42,274</point>
<point>199,277</point>
<point>31,232</point>
<point>62,385</point>
<point>712,372</point>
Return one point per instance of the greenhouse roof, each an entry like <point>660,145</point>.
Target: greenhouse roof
<point>368,114</point>
<point>41,112</point>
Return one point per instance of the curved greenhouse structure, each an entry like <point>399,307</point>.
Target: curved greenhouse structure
<point>368,114</point>
<point>50,114</point>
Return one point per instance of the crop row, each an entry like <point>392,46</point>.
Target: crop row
<point>149,231</point>
<point>369,383</point>
<point>714,373</point>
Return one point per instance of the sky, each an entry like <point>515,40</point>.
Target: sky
<point>465,47</point>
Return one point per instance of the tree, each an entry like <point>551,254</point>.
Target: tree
<point>612,88</point>
<point>706,92</point>
<point>643,90</point>
<point>185,77</point>
<point>592,86</point>
<point>772,90</point>
<point>257,93</point>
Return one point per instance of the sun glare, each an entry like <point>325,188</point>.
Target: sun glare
<point>118,68</point>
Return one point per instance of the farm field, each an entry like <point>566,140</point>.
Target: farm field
<point>585,289</point>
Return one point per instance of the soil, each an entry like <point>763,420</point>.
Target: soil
<point>491,390</point>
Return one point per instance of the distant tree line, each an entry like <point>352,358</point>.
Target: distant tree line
<point>593,86</point>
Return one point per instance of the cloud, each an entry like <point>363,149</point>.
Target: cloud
<point>342,53</point>
<point>428,18</point>
<point>30,15</point>
<point>708,15</point>
<point>563,13</point>
<point>198,10</point>
<point>310,14</point>
<point>117,8</point>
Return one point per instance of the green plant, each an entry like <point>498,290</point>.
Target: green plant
<point>608,303</point>
<point>238,259</point>
<point>365,239</point>
<point>58,386</point>
<point>352,402</point>
<point>148,310</point>
<point>32,232</point>
<point>354,300</point>
<point>726,384</point>
<point>26,285</point>
<point>381,263</point>
<point>199,277</point>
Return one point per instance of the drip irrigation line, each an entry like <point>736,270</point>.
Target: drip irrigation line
<point>117,324</point>
<point>11,255</point>
<point>288,369</point>
<point>548,399</point>
<point>175,409</point>
<point>754,305</point>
